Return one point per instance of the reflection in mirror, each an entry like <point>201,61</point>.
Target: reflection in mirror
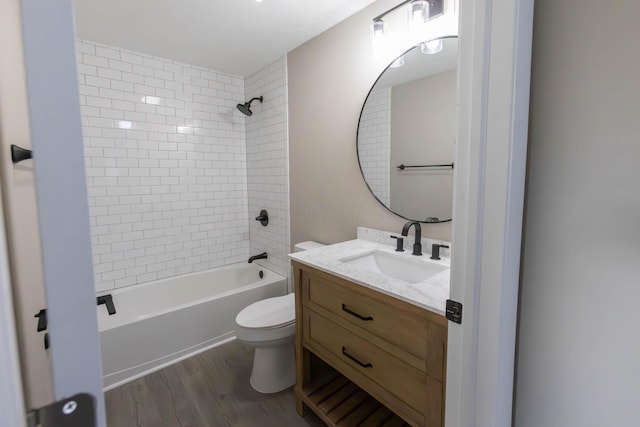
<point>406,133</point>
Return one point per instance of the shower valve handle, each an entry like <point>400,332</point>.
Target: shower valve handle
<point>263,218</point>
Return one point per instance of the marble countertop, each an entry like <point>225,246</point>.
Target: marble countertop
<point>430,294</point>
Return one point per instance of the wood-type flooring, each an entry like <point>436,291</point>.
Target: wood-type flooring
<point>208,390</point>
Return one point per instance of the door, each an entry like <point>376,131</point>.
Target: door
<point>493,113</point>
<point>45,101</point>
<point>20,211</point>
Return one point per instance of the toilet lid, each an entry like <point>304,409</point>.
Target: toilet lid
<point>268,313</point>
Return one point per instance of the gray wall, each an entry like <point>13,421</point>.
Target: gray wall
<point>579,340</point>
<point>423,129</point>
<point>329,78</point>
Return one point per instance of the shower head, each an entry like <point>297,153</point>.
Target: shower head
<point>246,107</point>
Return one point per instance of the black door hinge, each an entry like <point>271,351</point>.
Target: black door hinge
<point>42,320</point>
<point>43,325</point>
<point>454,311</point>
<point>76,411</point>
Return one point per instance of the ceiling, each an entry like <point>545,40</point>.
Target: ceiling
<point>233,36</point>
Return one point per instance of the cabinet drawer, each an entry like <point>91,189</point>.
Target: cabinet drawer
<point>385,371</point>
<point>393,321</point>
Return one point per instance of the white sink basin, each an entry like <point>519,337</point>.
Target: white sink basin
<point>395,266</point>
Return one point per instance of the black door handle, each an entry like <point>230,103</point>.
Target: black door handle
<point>19,154</point>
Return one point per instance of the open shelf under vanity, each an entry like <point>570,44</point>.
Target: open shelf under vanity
<point>339,402</point>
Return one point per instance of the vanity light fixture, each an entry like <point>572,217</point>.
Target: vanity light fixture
<point>432,46</point>
<point>420,11</point>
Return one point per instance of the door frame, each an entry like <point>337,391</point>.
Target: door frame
<point>493,113</point>
<point>63,213</point>
<point>12,408</point>
<point>492,137</point>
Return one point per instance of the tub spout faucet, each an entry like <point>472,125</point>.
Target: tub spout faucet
<point>263,255</point>
<point>108,301</point>
<point>417,245</point>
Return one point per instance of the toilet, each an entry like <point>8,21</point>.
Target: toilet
<point>269,326</point>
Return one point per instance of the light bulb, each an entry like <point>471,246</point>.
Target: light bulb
<point>398,62</point>
<point>378,29</point>
<point>432,46</point>
<point>418,13</point>
<point>377,38</point>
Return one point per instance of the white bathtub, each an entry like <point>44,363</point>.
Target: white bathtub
<point>159,323</point>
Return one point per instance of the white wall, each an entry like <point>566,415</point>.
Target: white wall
<point>168,195</point>
<point>374,140</point>
<point>178,191</point>
<point>267,165</point>
<point>579,341</point>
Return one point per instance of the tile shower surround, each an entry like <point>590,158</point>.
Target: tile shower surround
<point>166,163</point>
<point>267,165</point>
<point>374,143</point>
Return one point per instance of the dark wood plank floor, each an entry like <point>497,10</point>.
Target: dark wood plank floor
<point>208,390</point>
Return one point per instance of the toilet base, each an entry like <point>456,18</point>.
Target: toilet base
<point>274,368</point>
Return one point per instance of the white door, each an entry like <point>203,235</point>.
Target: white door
<point>493,95</point>
<point>45,32</point>
<point>20,210</point>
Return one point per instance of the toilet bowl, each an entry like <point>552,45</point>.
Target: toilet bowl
<point>269,326</point>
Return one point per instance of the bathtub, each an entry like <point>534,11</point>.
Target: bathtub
<point>161,322</point>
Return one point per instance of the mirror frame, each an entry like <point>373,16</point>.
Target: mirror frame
<point>358,134</point>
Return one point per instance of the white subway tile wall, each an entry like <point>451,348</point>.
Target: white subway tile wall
<point>267,165</point>
<point>374,143</point>
<point>166,164</point>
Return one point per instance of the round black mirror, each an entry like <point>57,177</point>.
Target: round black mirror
<point>406,133</point>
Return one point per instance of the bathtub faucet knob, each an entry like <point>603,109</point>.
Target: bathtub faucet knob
<point>263,255</point>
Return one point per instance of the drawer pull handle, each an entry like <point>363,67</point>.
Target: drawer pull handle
<point>364,365</point>
<point>353,313</point>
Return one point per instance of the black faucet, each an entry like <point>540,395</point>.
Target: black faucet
<point>108,301</point>
<point>263,255</point>
<point>417,245</point>
<point>435,250</point>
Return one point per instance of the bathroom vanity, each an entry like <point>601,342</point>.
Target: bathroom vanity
<point>368,349</point>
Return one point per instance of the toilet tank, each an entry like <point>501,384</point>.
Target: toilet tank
<point>305,246</point>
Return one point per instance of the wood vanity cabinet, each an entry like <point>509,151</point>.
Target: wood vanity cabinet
<point>388,356</point>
